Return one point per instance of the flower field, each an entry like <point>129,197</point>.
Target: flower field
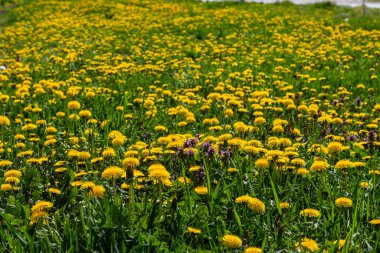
<point>155,126</point>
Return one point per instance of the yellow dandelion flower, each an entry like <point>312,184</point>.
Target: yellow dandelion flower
<point>201,190</point>
<point>160,128</point>
<point>131,153</point>
<point>273,154</point>
<point>76,183</point>
<point>341,243</point>
<point>73,105</point>
<point>182,124</point>
<point>225,137</point>
<point>55,191</point>
<point>182,180</point>
<point>302,171</point>
<point>60,114</point>
<point>125,186</point>
<point>60,170</point>
<point>113,172</point>
<point>13,180</point>
<point>36,216</point>
<point>13,173</point>
<point>74,116</point>
<point>19,137</point>
<point>194,168</point>
<point>96,160</point>
<point>359,164</point>
<point>309,212</point>
<point>193,230</point>
<point>374,172</point>
<point>256,205</point>
<point>135,186</point>
<point>298,161</point>
<point>131,162</point>
<point>97,191</point>
<point>365,185</point>
<point>4,121</point>
<point>344,164</point>
<point>278,129</point>
<point>137,173</point>
<point>29,127</point>
<point>343,202</point>
<point>115,134</point>
<point>156,166</point>
<point>232,241</point>
<point>50,142</point>
<point>5,163</point>
<point>41,206</point>
<point>81,173</point>
<point>232,170</point>
<point>156,150</point>
<point>85,114</point>
<point>118,141</point>
<point>109,153</point>
<point>284,205</point>
<point>87,185</point>
<point>334,147</point>
<point>262,163</point>
<point>308,244</point>
<point>319,166</point>
<point>25,153</point>
<point>84,155</point>
<point>259,121</point>
<point>228,112</point>
<point>51,130</point>
<point>253,250</point>
<point>159,174</point>
<point>243,199</point>
<point>375,222</point>
<point>6,187</point>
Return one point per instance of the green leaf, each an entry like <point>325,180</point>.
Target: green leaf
<point>275,196</point>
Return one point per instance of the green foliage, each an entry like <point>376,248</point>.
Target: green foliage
<point>85,85</point>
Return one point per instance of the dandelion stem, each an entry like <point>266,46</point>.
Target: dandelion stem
<point>113,186</point>
<point>159,200</point>
<point>131,201</point>
<point>187,190</point>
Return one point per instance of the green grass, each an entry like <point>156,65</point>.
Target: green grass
<point>187,84</point>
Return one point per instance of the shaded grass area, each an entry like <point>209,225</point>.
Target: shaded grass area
<point>7,15</point>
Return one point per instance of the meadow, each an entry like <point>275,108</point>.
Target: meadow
<point>156,126</point>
